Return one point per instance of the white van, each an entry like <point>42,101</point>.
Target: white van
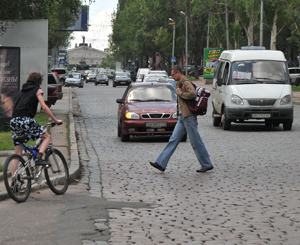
<point>141,73</point>
<point>252,85</point>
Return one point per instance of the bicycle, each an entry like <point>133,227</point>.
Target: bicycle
<point>18,185</point>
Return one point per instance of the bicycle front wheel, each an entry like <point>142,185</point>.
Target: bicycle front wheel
<point>17,178</point>
<point>57,174</point>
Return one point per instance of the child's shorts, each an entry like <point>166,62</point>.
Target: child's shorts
<point>27,128</point>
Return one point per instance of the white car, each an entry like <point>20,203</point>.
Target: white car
<point>141,73</point>
<point>295,75</point>
<point>74,80</point>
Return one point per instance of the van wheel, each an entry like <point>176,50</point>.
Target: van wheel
<point>226,124</point>
<point>297,82</point>
<point>216,119</point>
<point>288,125</point>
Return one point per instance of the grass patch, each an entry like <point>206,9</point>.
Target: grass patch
<point>6,142</point>
<point>295,88</point>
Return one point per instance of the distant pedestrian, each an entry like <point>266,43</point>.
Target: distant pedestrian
<point>187,123</point>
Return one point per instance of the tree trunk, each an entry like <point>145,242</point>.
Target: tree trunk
<point>249,32</point>
<point>274,31</point>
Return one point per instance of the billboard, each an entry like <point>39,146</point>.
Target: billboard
<point>211,56</point>
<point>9,79</point>
<point>83,20</point>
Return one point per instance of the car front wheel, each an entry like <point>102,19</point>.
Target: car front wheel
<point>226,124</point>
<point>216,118</point>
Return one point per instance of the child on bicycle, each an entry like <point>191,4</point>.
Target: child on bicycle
<point>23,124</point>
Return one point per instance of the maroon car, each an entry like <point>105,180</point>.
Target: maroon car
<point>147,108</point>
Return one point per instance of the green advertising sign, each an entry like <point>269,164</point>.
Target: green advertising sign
<point>211,56</point>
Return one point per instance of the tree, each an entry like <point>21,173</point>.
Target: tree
<point>61,14</point>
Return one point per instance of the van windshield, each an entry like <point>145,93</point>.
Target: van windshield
<point>255,71</point>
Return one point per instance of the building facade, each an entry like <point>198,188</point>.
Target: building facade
<point>85,55</point>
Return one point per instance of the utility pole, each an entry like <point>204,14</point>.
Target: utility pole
<point>186,42</point>
<point>227,33</point>
<point>173,43</point>
<point>208,31</point>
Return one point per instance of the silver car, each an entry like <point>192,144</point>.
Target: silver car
<point>74,80</point>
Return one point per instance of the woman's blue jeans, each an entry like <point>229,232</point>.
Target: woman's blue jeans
<point>185,125</point>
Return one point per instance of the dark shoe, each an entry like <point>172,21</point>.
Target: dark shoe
<point>202,170</point>
<point>156,165</point>
<point>41,162</point>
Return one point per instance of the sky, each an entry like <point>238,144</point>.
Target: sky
<point>100,13</point>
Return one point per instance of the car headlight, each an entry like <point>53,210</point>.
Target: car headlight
<point>286,100</point>
<point>88,78</point>
<point>132,115</point>
<point>237,100</point>
<point>174,115</point>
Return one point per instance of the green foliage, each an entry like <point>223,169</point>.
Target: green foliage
<point>141,28</point>
<point>61,14</point>
<point>108,61</point>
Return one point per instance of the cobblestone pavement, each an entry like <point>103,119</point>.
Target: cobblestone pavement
<point>251,197</point>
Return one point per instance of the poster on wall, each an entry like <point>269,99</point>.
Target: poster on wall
<point>211,56</point>
<point>9,79</point>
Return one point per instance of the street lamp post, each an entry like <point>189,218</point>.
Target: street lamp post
<point>186,41</point>
<point>173,43</point>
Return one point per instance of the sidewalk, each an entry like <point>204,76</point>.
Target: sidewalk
<point>63,109</point>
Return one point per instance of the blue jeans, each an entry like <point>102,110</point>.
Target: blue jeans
<point>189,125</point>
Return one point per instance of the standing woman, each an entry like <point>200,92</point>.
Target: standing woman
<point>23,124</point>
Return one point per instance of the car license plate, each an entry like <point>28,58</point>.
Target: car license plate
<point>260,115</point>
<point>156,124</point>
<point>123,82</point>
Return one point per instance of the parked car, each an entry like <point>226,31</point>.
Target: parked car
<point>74,80</point>
<point>147,109</point>
<point>62,73</point>
<point>194,71</point>
<point>121,78</point>
<point>141,73</point>
<point>295,75</point>
<point>53,81</point>
<point>91,77</point>
<point>101,79</point>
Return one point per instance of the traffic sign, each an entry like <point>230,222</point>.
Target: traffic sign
<point>173,59</point>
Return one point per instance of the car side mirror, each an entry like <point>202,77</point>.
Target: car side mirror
<point>220,81</point>
<point>120,101</point>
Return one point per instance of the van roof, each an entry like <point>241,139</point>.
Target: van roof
<point>238,54</point>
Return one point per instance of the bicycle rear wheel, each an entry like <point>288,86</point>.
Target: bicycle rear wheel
<point>57,175</point>
<point>18,185</point>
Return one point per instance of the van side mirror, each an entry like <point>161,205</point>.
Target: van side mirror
<point>219,81</point>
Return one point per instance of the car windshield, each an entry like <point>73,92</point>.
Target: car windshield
<point>249,72</point>
<point>122,75</point>
<point>101,76</point>
<point>152,93</point>
<point>77,76</point>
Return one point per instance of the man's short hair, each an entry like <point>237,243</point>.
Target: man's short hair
<point>177,68</point>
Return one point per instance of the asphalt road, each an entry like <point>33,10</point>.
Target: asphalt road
<point>251,197</point>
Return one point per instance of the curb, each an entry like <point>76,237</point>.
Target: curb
<point>74,169</point>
